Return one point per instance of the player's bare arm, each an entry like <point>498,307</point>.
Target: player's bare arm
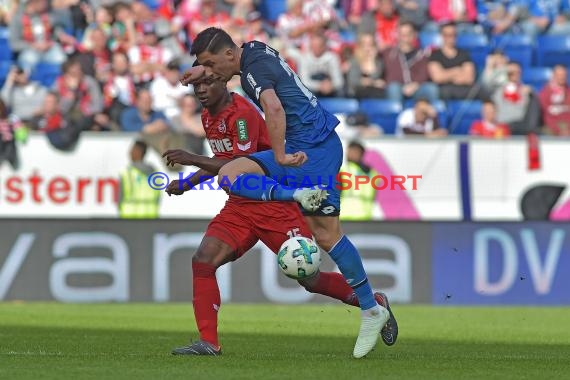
<point>182,157</point>
<point>192,75</point>
<point>275,121</point>
<point>176,188</point>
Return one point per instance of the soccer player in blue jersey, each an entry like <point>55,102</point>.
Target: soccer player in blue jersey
<point>306,151</point>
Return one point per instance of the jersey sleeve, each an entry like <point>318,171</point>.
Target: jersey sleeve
<point>246,125</point>
<point>261,75</point>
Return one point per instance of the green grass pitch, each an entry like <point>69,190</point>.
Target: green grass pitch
<point>133,341</point>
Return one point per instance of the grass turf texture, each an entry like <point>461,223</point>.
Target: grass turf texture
<point>55,341</point>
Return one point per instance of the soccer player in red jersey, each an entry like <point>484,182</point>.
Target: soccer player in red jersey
<point>235,128</point>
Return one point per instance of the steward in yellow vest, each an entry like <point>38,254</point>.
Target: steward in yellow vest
<point>357,205</point>
<point>138,200</point>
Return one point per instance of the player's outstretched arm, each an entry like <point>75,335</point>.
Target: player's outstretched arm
<point>275,121</point>
<point>179,187</point>
<point>181,157</point>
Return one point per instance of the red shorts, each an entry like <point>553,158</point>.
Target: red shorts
<point>241,223</point>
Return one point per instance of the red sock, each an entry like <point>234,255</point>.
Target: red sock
<point>334,285</point>
<point>206,301</point>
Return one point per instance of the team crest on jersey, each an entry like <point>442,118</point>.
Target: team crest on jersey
<point>222,127</point>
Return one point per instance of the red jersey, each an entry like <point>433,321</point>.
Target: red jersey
<point>497,130</point>
<point>555,103</point>
<point>386,29</point>
<point>237,130</point>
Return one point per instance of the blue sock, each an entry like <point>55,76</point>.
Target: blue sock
<point>261,188</point>
<point>346,257</point>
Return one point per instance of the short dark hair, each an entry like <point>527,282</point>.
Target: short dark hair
<point>72,61</point>
<point>173,65</point>
<point>212,40</point>
<point>54,94</point>
<point>357,145</point>
<point>142,90</point>
<point>140,144</point>
<point>406,22</point>
<point>445,24</point>
<point>121,52</point>
<point>115,8</point>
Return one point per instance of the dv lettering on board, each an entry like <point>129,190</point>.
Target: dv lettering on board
<point>542,271</point>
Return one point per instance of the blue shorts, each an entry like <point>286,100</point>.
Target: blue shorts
<point>321,169</point>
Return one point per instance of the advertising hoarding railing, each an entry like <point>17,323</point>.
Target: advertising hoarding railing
<point>461,180</point>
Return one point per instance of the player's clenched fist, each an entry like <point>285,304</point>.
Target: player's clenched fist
<point>192,75</point>
<point>178,156</point>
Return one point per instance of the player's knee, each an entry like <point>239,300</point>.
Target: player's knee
<point>325,238</point>
<point>228,173</point>
<point>226,177</point>
<point>203,257</point>
<point>309,283</point>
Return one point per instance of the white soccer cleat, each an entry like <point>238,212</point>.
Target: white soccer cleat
<point>370,327</point>
<point>309,198</point>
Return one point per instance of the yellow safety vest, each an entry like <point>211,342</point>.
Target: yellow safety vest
<point>139,200</point>
<point>358,204</point>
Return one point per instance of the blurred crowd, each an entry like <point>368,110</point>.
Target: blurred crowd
<point>115,65</point>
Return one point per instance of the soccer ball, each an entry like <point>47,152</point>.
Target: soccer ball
<point>299,257</point>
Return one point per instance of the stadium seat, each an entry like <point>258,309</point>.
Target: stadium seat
<point>46,74</point>
<point>272,9</point>
<point>477,45</point>
<point>439,106</point>
<point>339,105</point>
<point>430,39</point>
<point>518,47</point>
<point>461,114</point>
<point>382,112</point>
<point>536,77</point>
<point>553,50</point>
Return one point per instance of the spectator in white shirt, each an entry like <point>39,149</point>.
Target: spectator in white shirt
<point>167,91</point>
<point>420,120</point>
<point>319,68</point>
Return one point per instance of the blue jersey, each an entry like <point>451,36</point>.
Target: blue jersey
<point>307,122</point>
